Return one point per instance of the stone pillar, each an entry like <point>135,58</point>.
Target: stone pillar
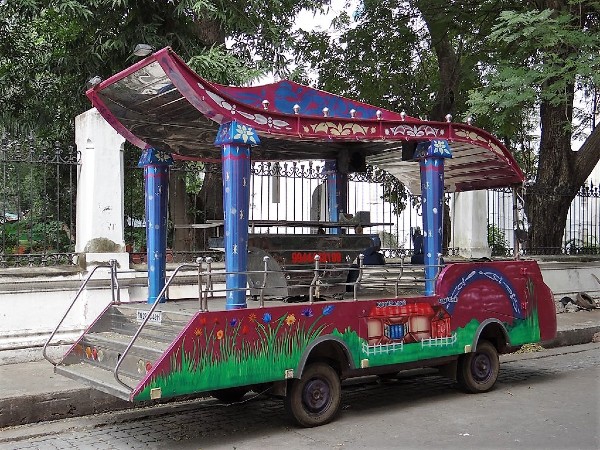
<point>235,140</point>
<point>156,181</point>
<point>431,157</point>
<point>469,224</point>
<point>100,206</point>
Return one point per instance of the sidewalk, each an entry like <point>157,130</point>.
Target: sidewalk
<point>32,392</point>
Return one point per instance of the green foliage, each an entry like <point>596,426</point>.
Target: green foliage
<point>9,236</point>
<point>375,58</point>
<point>26,237</point>
<point>394,191</point>
<point>539,53</point>
<point>221,66</point>
<point>497,241</point>
<point>49,49</point>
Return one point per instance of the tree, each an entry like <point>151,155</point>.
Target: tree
<point>519,64</point>
<point>49,49</point>
<point>548,56</point>
<point>420,56</point>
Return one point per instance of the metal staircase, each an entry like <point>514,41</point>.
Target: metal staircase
<point>94,357</point>
<point>126,341</point>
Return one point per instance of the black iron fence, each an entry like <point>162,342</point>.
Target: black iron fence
<point>582,227</point>
<point>38,193</point>
<point>37,202</point>
<point>283,195</point>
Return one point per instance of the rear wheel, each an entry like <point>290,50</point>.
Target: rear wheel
<point>315,398</point>
<point>478,371</point>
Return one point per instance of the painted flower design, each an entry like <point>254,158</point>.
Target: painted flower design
<point>220,334</point>
<point>198,332</point>
<point>289,320</point>
<point>233,322</point>
<point>245,133</point>
<point>162,156</point>
<point>244,329</point>
<point>267,317</point>
<point>328,310</point>
<point>252,317</point>
<point>202,321</point>
<point>307,312</point>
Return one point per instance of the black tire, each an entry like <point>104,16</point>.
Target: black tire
<point>478,371</point>
<point>230,395</point>
<point>315,398</point>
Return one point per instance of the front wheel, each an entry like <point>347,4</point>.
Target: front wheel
<point>478,371</point>
<point>315,398</point>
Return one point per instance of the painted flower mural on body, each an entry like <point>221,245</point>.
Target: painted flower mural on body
<point>307,312</point>
<point>328,310</point>
<point>289,320</point>
<point>224,350</point>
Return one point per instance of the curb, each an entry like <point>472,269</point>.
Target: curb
<point>572,337</point>
<point>44,407</point>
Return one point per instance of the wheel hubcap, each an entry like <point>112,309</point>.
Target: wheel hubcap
<point>316,395</point>
<point>481,367</point>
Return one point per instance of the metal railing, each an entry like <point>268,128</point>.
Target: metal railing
<point>37,202</point>
<point>161,294</point>
<point>112,264</point>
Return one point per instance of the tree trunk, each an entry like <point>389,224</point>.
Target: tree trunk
<point>561,171</point>
<point>448,63</point>
<point>209,202</point>
<point>547,202</point>
<point>178,210</point>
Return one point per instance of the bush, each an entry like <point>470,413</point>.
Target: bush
<point>497,241</point>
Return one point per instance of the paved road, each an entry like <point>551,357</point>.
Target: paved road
<point>546,400</point>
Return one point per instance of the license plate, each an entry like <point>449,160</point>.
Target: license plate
<point>155,317</point>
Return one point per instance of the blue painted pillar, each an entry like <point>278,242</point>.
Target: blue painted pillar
<point>431,157</point>
<point>235,140</point>
<point>156,179</point>
<point>337,193</point>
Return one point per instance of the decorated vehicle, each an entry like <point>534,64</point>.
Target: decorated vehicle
<point>293,339</point>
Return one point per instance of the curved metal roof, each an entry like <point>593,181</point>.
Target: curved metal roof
<point>160,102</point>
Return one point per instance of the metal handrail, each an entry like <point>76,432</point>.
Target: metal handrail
<point>262,288</point>
<point>145,321</point>
<point>114,282</point>
<point>112,265</point>
<point>313,283</point>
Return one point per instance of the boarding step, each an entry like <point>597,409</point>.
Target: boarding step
<point>99,378</point>
<point>163,326</point>
<point>106,348</point>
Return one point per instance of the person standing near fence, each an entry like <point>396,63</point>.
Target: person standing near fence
<point>371,257</point>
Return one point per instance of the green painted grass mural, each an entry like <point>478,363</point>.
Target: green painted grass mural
<point>222,357</point>
<point>521,331</point>
<point>525,331</point>
<point>408,352</point>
